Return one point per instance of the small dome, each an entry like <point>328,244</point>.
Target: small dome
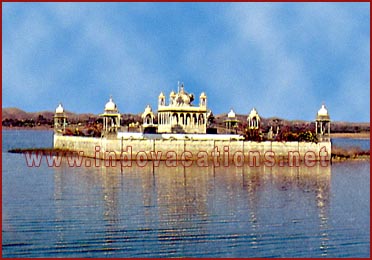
<point>161,95</point>
<point>253,113</point>
<point>59,109</point>
<point>323,111</point>
<point>110,105</point>
<point>148,109</point>
<point>231,114</point>
<point>202,95</point>
<point>172,94</point>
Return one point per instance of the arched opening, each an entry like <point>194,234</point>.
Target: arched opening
<point>148,119</point>
<point>195,119</point>
<point>254,122</point>
<point>188,119</point>
<point>175,119</point>
<point>182,119</point>
<point>201,119</point>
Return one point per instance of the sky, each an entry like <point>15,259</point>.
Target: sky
<point>284,59</point>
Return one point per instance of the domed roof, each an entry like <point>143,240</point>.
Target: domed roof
<point>172,94</point>
<point>161,95</point>
<point>231,114</point>
<point>203,95</point>
<point>59,109</point>
<point>148,109</point>
<point>253,113</point>
<point>323,111</point>
<point>110,105</point>
<point>182,98</point>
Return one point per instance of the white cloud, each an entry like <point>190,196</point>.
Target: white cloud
<point>254,67</point>
<point>114,67</point>
<point>279,58</point>
<point>20,51</point>
<point>287,83</point>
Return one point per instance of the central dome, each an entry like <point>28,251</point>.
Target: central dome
<point>182,98</point>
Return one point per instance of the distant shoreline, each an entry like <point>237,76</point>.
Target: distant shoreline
<point>364,135</point>
<point>40,128</point>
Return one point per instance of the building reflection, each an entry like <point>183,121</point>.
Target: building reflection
<point>172,204</point>
<point>314,182</point>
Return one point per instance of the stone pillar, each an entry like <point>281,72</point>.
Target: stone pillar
<point>329,128</point>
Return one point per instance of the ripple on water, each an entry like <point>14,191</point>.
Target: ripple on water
<point>177,212</point>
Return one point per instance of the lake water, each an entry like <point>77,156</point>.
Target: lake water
<point>181,212</point>
<point>348,142</point>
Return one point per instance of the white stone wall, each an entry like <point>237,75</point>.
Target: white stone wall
<point>192,149</point>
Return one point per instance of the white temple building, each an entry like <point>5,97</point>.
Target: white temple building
<point>180,115</point>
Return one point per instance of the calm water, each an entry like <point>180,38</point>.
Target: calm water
<point>175,212</point>
<point>347,142</point>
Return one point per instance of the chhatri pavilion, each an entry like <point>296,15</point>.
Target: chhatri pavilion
<point>323,123</point>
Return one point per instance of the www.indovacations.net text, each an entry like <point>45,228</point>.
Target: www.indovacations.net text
<point>215,158</point>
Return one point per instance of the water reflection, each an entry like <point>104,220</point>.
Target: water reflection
<point>193,212</point>
<point>177,211</point>
<point>315,182</point>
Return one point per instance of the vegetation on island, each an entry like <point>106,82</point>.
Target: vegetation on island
<point>91,125</point>
<point>14,117</point>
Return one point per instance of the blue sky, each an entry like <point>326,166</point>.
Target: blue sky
<point>284,59</point>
